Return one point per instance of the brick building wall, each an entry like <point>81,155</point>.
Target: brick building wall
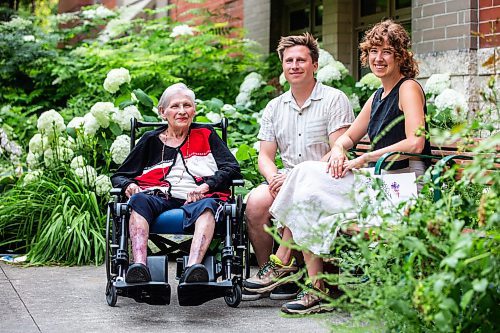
<point>226,10</point>
<point>489,23</point>
<point>445,40</point>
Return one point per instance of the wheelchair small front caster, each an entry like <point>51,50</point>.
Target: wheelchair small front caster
<point>234,299</point>
<point>111,295</point>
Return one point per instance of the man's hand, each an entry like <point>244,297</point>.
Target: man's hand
<point>197,194</point>
<point>275,183</point>
<point>335,165</point>
<point>132,189</point>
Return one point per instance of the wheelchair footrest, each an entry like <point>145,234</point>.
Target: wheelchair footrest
<point>154,293</point>
<point>197,293</point>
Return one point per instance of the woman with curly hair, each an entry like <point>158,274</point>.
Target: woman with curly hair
<point>316,195</point>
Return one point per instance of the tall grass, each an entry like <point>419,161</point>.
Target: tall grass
<point>54,220</point>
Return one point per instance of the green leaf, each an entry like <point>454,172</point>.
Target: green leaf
<point>243,152</point>
<point>122,98</point>
<point>449,304</point>
<point>124,104</point>
<point>115,129</point>
<point>144,98</point>
<point>466,298</point>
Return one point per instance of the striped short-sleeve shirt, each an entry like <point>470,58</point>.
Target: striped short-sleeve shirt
<point>302,133</point>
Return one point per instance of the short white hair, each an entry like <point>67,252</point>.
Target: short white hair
<point>174,89</point>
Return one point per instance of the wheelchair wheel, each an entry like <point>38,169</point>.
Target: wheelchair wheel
<point>234,299</point>
<point>111,295</point>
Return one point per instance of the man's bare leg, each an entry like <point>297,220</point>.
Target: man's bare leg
<point>257,215</point>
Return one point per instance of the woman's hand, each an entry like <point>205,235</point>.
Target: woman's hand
<point>356,163</point>
<point>197,194</point>
<point>275,184</point>
<point>132,189</point>
<point>335,164</point>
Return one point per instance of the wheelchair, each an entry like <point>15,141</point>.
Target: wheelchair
<point>227,263</point>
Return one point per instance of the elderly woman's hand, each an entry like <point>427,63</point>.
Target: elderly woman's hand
<point>132,189</point>
<point>198,193</point>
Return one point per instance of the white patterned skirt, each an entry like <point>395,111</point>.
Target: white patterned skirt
<point>313,204</point>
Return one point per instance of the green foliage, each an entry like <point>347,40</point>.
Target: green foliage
<point>55,219</point>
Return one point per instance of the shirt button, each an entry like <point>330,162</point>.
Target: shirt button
<point>300,113</point>
<point>300,155</point>
<point>300,134</point>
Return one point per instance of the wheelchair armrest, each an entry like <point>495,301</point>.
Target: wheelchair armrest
<point>115,191</point>
<point>238,182</point>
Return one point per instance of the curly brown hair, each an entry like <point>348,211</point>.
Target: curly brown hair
<point>305,39</point>
<point>397,38</point>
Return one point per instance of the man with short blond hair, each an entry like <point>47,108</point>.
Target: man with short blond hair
<point>302,123</point>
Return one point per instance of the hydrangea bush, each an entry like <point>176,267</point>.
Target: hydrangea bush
<point>446,107</point>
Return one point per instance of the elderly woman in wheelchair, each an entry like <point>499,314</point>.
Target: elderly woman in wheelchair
<point>182,165</point>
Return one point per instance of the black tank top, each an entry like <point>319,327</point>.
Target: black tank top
<point>387,124</point>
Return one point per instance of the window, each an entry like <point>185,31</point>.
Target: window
<point>304,16</point>
<point>369,12</point>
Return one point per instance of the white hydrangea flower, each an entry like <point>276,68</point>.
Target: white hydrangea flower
<point>103,185</point>
<point>33,160</point>
<point>120,148</point>
<point>243,99</point>
<point>251,82</point>
<point>123,117</point>
<point>115,78</point>
<point>228,109</point>
<point>60,154</point>
<point>102,111</point>
<point>29,38</point>
<point>76,122</point>
<point>282,79</point>
<point>354,99</point>
<point>436,83</point>
<point>38,143</point>
<point>50,122</point>
<point>18,23</point>
<point>371,81</point>
<point>325,58</point>
<point>67,142</point>
<point>77,162</point>
<point>213,117</point>
<point>253,75</point>
<point>328,74</point>
<point>256,146</point>
<point>454,101</point>
<point>116,27</point>
<point>32,176</point>
<point>66,17</point>
<point>100,12</point>
<point>91,125</point>
<point>87,174</point>
<point>182,30</point>
<point>341,68</point>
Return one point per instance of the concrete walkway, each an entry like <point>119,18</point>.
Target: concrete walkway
<point>71,299</point>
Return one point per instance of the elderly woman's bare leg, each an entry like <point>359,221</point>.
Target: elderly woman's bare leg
<point>203,234</point>
<point>139,234</point>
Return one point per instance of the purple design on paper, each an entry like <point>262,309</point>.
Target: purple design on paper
<point>395,188</point>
